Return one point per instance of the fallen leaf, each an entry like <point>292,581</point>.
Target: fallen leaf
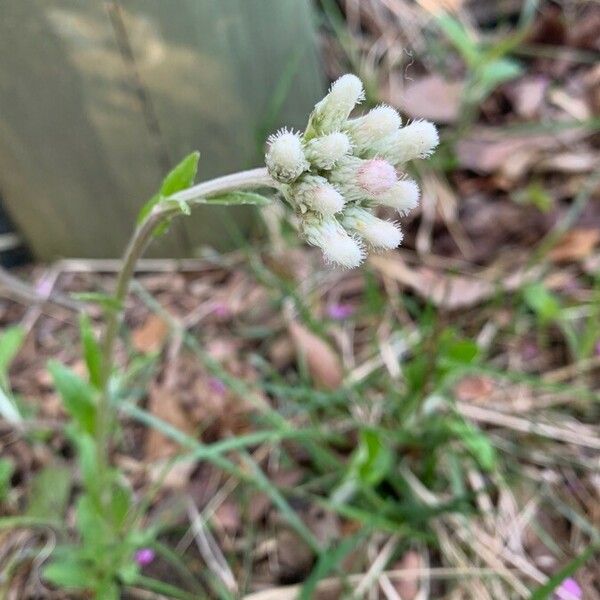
<point>164,404</point>
<point>151,336</point>
<point>570,162</point>
<point>227,516</point>
<point>449,291</point>
<point>488,156</point>
<point>474,388</point>
<point>420,99</point>
<point>486,151</point>
<point>323,363</point>
<point>294,557</point>
<point>408,587</point>
<point>527,95</point>
<point>576,244</point>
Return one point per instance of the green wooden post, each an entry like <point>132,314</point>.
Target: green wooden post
<point>98,99</point>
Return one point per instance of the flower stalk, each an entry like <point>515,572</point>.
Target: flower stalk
<point>141,238</point>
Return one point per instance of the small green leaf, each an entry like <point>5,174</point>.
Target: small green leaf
<point>121,502</point>
<point>542,302</point>
<point>77,395</point>
<point>182,176</point>
<point>184,207</point>
<point>106,301</point>
<point>91,525</point>
<point>107,590</point>
<point>49,493</point>
<point>373,458</point>
<point>455,351</point>
<point>459,37</point>
<point>91,351</point>
<point>6,472</point>
<point>238,198</point>
<point>476,442</point>
<point>497,72</point>
<point>129,573</point>
<point>147,208</point>
<point>161,228</point>
<point>87,455</point>
<point>70,572</point>
<point>11,341</point>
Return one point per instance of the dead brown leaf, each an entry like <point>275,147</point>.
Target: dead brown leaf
<point>474,388</point>
<point>164,404</point>
<point>420,99</point>
<point>323,363</point>
<point>511,156</point>
<point>294,556</point>
<point>527,95</point>
<point>408,588</point>
<point>576,244</point>
<point>151,336</point>
<point>449,291</point>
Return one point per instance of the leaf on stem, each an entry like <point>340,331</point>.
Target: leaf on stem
<point>77,395</point>
<point>91,351</point>
<point>179,178</point>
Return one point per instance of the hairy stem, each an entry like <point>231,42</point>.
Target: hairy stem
<point>138,243</point>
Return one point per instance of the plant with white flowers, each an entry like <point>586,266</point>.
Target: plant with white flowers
<point>340,170</point>
<point>333,176</point>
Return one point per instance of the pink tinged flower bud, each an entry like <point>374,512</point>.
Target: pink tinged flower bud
<point>285,158</point>
<point>377,232</point>
<point>417,140</point>
<point>367,130</point>
<point>315,193</point>
<point>402,196</point>
<point>359,179</point>
<point>376,176</point>
<point>335,242</point>
<point>331,113</point>
<point>324,152</point>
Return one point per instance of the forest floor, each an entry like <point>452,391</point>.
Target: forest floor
<point>431,419</point>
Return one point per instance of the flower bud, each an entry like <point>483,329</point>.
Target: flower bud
<point>367,130</point>
<point>330,113</point>
<point>324,152</point>
<point>358,179</point>
<point>337,246</point>
<point>285,158</point>
<point>377,232</point>
<point>417,140</point>
<point>317,194</point>
<point>403,196</point>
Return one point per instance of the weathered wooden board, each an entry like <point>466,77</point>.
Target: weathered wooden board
<point>97,99</point>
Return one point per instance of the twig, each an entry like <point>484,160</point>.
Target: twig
<point>493,417</point>
<point>209,549</point>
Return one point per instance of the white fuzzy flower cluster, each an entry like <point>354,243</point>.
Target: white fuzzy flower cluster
<point>337,172</point>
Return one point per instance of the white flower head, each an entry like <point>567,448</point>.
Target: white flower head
<point>402,196</point>
<point>285,158</point>
<point>377,232</point>
<point>360,179</point>
<point>335,242</point>
<point>342,168</point>
<point>367,130</point>
<point>417,140</point>
<point>325,151</point>
<point>316,193</point>
<point>330,114</point>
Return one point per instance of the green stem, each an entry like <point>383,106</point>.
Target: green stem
<point>140,240</point>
